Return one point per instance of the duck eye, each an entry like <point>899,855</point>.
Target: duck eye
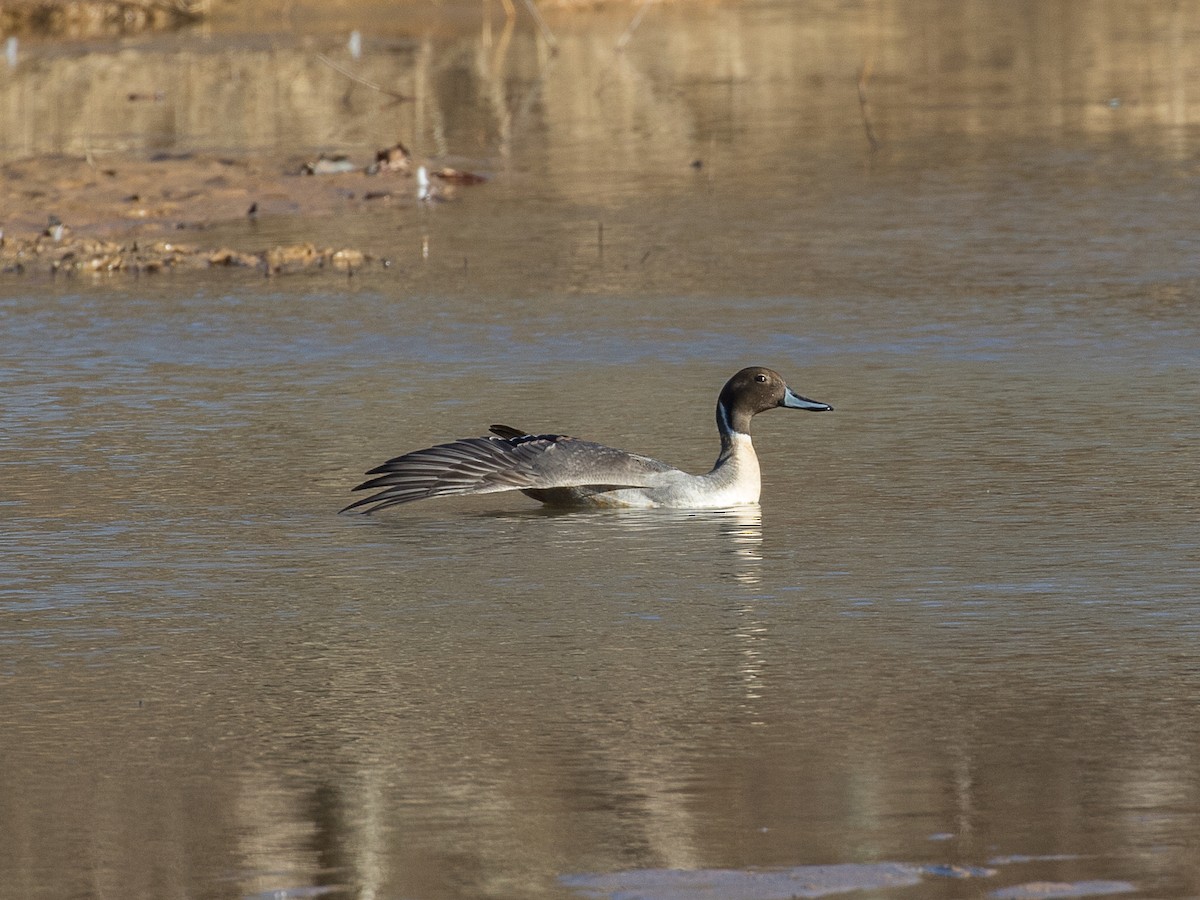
<point>760,377</point>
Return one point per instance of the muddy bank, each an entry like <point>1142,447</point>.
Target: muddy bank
<point>130,215</point>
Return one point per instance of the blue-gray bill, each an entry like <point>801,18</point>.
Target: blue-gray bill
<point>793,400</point>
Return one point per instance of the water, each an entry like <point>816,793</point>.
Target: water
<point>953,655</point>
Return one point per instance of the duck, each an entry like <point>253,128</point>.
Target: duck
<point>562,471</point>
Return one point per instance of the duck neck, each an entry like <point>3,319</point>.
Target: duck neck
<point>733,433</point>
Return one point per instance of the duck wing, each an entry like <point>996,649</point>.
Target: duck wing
<point>509,460</point>
<point>507,431</point>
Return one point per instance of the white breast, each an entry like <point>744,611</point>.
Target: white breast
<point>735,481</point>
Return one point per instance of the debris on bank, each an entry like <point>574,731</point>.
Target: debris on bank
<point>395,160</point>
<point>94,256</point>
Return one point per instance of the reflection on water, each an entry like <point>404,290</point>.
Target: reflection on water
<point>960,633</point>
<point>687,83</point>
<point>737,532</point>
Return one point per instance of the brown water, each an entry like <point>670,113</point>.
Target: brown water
<point>963,631</point>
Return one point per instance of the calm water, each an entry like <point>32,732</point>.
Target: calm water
<point>954,655</point>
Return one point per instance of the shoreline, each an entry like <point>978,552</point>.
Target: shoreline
<point>123,214</point>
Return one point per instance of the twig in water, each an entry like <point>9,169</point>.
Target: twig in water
<point>547,34</point>
<point>372,85</point>
<point>631,28</point>
<point>865,107</point>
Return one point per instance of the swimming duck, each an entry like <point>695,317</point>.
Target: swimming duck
<point>559,470</point>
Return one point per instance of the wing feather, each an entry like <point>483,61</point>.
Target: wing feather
<point>509,459</point>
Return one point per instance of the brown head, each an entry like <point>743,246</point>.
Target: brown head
<point>753,390</point>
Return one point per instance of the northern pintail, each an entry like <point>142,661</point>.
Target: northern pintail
<point>564,471</point>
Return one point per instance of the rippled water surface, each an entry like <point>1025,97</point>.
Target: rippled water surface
<point>953,655</point>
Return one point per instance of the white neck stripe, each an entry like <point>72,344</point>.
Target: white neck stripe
<point>723,420</point>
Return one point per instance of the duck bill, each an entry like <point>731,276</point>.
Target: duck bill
<point>794,401</point>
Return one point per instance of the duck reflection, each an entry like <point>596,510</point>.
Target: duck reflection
<point>733,535</point>
<point>722,545</point>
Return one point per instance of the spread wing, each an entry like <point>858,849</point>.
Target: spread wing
<point>507,460</point>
